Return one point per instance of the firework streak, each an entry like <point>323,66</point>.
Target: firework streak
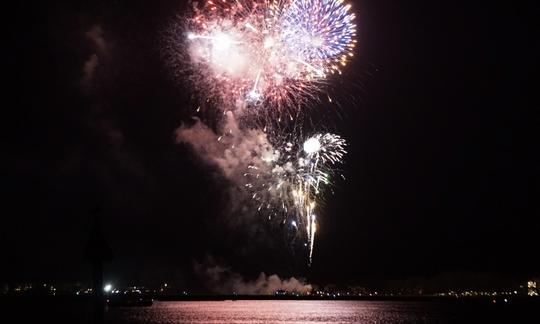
<point>271,57</point>
<point>289,183</point>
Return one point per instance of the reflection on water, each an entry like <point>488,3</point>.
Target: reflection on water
<point>253,311</point>
<point>76,310</point>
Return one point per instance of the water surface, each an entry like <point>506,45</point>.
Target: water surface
<point>292,311</point>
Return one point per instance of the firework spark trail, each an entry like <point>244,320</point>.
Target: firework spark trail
<point>267,57</point>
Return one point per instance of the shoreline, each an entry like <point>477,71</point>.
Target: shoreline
<point>165,298</point>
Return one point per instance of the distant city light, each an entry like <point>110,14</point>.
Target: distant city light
<point>107,288</point>
<point>532,288</point>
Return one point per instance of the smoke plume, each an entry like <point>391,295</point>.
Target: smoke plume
<point>225,281</point>
<point>232,149</point>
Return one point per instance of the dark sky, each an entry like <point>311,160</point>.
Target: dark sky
<point>438,107</point>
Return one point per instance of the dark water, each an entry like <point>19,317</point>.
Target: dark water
<point>279,311</point>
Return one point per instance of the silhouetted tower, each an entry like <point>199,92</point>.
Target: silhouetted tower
<point>97,251</point>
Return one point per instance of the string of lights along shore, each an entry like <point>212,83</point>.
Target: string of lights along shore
<point>272,58</point>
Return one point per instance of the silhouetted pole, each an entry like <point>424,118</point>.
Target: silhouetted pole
<point>97,251</point>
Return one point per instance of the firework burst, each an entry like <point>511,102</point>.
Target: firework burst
<point>268,54</point>
<point>290,181</point>
<point>261,58</point>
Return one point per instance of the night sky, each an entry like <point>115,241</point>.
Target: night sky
<point>438,107</point>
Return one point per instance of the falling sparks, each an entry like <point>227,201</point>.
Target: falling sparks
<point>292,180</point>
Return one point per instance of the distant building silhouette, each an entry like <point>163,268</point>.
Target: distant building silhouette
<point>97,251</point>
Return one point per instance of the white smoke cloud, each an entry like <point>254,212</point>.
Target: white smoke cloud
<point>235,152</point>
<point>252,165</point>
<point>232,150</point>
<point>225,281</point>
